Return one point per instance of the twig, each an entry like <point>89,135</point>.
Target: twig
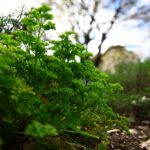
<point>75,145</point>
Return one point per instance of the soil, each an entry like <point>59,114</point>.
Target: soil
<point>139,138</point>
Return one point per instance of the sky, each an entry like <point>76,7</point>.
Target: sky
<point>8,6</point>
<point>133,38</point>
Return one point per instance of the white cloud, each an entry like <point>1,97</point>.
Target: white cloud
<point>9,6</point>
<point>145,1</point>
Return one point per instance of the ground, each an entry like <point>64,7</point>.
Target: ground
<point>138,140</point>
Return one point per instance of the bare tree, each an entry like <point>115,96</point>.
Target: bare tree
<point>85,17</point>
<point>142,15</point>
<point>12,22</point>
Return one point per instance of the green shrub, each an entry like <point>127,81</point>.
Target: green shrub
<point>135,78</point>
<point>141,108</point>
<point>44,95</point>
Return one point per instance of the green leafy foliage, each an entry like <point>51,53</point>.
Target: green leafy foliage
<point>44,95</point>
<point>38,130</point>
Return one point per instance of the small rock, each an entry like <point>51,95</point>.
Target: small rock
<point>133,131</point>
<point>113,131</point>
<point>145,144</point>
<point>142,127</point>
<point>146,122</point>
<point>142,136</point>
